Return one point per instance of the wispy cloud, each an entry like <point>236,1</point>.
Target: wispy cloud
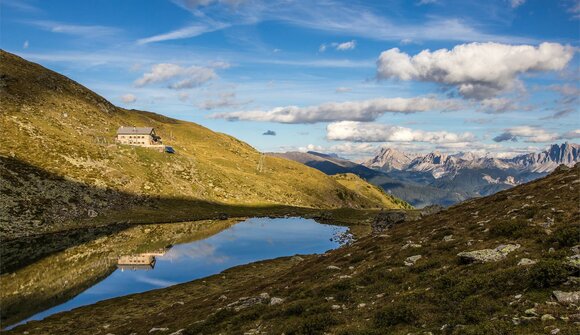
<point>534,135</point>
<point>74,29</point>
<point>186,32</point>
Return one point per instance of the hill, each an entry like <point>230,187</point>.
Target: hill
<point>60,167</point>
<point>503,264</point>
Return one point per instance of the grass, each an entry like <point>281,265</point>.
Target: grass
<point>373,292</point>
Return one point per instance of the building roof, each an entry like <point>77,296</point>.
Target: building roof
<point>134,130</point>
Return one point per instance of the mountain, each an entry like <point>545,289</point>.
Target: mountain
<point>388,159</point>
<point>502,264</point>
<point>441,164</point>
<point>60,167</point>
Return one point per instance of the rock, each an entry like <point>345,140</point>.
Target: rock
<point>92,213</point>
<point>555,331</point>
<point>179,332</point>
<point>518,296</point>
<point>431,209</point>
<point>448,238</point>
<point>567,297</point>
<point>222,298</point>
<point>526,261</point>
<point>264,296</point>
<point>335,307</point>
<point>410,244</point>
<point>276,301</point>
<point>488,255</point>
<point>547,317</point>
<point>410,261</point>
<point>152,330</point>
<point>362,305</point>
<point>332,267</point>
<point>531,311</point>
<point>386,220</point>
<point>296,259</point>
<point>246,302</point>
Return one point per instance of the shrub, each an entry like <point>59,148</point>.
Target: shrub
<point>566,236</point>
<point>514,229</point>
<point>395,314</point>
<point>547,273</point>
<point>311,325</point>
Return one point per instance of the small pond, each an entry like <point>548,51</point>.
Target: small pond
<point>166,265</point>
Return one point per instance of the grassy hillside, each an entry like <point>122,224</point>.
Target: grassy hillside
<point>378,285</point>
<point>55,127</point>
<point>371,192</point>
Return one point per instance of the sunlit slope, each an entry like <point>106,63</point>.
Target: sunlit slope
<point>54,124</point>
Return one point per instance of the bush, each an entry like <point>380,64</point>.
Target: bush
<point>547,273</point>
<point>566,236</point>
<point>395,314</point>
<point>312,325</point>
<point>514,229</point>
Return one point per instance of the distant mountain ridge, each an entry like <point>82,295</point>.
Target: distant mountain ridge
<point>442,164</point>
<point>442,178</point>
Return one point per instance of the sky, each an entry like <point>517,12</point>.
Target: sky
<point>345,77</point>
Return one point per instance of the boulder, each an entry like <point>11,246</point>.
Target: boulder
<point>410,261</point>
<point>488,255</point>
<point>526,261</point>
<point>431,209</point>
<point>567,297</point>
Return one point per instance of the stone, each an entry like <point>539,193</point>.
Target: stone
<point>152,330</point>
<point>526,261</point>
<point>222,298</point>
<point>179,332</point>
<point>555,331</point>
<point>335,307</point>
<point>264,296</point>
<point>296,259</point>
<point>92,213</point>
<point>332,267</point>
<point>276,301</point>
<point>567,297</point>
<point>547,317</point>
<point>448,238</point>
<point>410,261</point>
<point>531,311</point>
<point>387,219</point>
<point>488,255</point>
<point>362,305</point>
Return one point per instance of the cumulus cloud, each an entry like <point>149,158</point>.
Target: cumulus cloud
<point>364,110</point>
<point>476,70</point>
<point>527,134</point>
<point>128,98</point>
<point>374,132</point>
<point>269,133</point>
<point>180,77</point>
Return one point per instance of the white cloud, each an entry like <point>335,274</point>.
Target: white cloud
<point>530,135</point>
<point>498,105</point>
<point>128,98</point>
<point>188,77</point>
<point>426,2</point>
<point>350,45</point>
<point>364,110</point>
<point>477,70</point>
<point>570,135</point>
<point>25,45</point>
<point>186,32</point>
<point>516,3</point>
<point>375,132</point>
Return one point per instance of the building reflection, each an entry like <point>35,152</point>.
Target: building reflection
<point>143,261</point>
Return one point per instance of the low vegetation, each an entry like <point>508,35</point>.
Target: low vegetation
<point>379,285</point>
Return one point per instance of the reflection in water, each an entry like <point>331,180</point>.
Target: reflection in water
<point>145,248</point>
<point>143,261</point>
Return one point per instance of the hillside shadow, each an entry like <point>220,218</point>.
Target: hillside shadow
<point>45,213</point>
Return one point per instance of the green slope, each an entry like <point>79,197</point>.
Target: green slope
<point>59,162</point>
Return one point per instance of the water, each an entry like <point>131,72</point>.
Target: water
<point>249,241</point>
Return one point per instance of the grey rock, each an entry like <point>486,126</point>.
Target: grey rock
<point>526,261</point>
<point>488,255</point>
<point>410,261</point>
<point>567,297</point>
<point>332,267</point>
<point>548,317</point>
<point>276,301</point>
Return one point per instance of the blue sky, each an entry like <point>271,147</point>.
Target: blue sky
<point>333,76</point>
